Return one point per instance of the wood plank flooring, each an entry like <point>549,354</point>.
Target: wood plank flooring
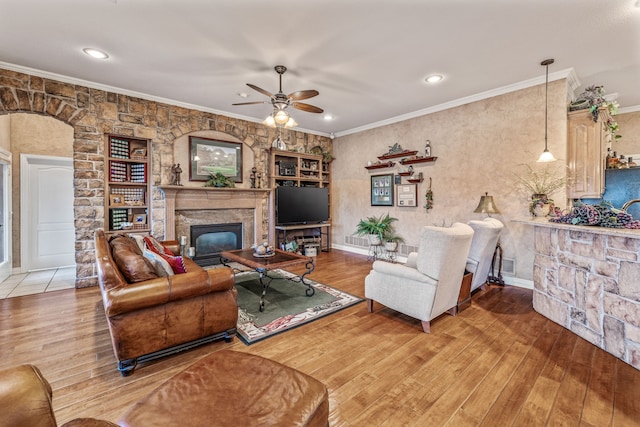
<point>498,363</point>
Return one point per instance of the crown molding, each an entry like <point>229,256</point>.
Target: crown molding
<point>134,94</point>
<point>558,75</point>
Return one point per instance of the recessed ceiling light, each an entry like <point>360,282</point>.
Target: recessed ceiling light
<point>434,78</point>
<point>95,53</point>
<point>328,117</point>
<point>243,94</point>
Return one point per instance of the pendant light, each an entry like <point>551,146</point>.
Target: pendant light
<point>546,155</point>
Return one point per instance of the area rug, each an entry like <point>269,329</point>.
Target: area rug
<point>286,304</point>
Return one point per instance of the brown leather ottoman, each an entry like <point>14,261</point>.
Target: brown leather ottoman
<point>230,388</point>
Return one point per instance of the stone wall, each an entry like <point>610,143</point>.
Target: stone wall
<point>93,113</point>
<point>587,281</point>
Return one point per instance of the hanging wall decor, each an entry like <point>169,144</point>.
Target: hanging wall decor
<point>428,202</point>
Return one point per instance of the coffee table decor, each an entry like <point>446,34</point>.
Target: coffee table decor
<point>287,304</point>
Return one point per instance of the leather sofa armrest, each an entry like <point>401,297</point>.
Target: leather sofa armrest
<point>151,293</point>
<point>25,396</point>
<point>172,245</point>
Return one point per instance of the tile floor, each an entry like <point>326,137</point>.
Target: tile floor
<point>38,281</point>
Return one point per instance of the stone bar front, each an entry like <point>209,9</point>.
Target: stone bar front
<point>587,279</point>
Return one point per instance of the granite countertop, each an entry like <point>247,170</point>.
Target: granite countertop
<point>544,222</point>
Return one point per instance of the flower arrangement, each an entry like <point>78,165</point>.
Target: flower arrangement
<point>541,184</point>
<point>593,99</point>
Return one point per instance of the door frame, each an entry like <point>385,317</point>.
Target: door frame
<point>5,159</point>
<point>25,233</point>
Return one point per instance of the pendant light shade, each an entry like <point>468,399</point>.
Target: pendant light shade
<point>546,155</point>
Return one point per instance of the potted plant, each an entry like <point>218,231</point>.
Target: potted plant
<point>375,228</point>
<point>391,241</point>
<point>219,180</point>
<point>541,184</point>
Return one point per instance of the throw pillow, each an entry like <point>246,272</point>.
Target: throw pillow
<point>139,239</point>
<point>156,246</point>
<point>176,262</point>
<point>133,266</point>
<point>162,267</point>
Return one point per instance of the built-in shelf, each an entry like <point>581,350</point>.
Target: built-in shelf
<point>417,160</point>
<point>380,165</point>
<point>397,155</point>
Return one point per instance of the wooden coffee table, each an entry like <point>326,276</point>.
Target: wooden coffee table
<point>263,265</point>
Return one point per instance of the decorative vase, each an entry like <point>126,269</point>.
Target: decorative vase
<point>540,205</point>
<point>374,240</point>
<point>391,246</point>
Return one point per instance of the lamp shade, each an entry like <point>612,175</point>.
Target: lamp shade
<point>487,205</point>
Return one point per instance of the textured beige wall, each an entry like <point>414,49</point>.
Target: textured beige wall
<point>5,132</point>
<point>36,135</point>
<point>629,144</point>
<point>480,146</point>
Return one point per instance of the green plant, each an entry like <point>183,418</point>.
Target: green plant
<point>327,157</point>
<point>593,98</point>
<point>391,236</point>
<point>380,226</point>
<point>219,180</point>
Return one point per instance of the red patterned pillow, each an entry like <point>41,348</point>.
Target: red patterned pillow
<point>176,262</point>
<point>156,246</point>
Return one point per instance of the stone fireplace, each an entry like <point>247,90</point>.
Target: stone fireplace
<point>221,209</point>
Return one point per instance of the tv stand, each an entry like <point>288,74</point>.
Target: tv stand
<point>302,233</point>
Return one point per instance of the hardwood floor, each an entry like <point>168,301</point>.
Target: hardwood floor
<point>498,363</point>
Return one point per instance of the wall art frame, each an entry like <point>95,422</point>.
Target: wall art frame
<point>382,190</point>
<point>210,156</point>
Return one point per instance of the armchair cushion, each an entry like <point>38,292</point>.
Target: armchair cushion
<point>161,266</point>
<point>401,271</point>
<point>130,261</point>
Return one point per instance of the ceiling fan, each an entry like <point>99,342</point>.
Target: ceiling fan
<point>282,101</point>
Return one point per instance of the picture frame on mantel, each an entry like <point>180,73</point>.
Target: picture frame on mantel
<point>382,190</point>
<point>210,156</point>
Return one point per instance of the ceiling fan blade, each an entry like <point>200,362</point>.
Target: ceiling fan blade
<point>303,94</point>
<point>251,103</point>
<point>306,107</point>
<point>259,89</point>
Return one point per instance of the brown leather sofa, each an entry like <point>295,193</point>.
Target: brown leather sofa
<point>163,315</point>
<point>226,388</point>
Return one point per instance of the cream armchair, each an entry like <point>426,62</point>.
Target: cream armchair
<point>485,238</point>
<point>429,283</point>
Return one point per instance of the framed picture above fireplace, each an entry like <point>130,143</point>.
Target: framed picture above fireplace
<point>210,156</point>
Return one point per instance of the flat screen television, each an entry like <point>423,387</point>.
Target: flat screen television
<point>301,205</point>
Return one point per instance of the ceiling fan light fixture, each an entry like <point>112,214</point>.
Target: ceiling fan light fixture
<point>281,117</point>
<point>269,121</point>
<point>290,123</point>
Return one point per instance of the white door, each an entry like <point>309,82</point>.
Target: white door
<point>5,216</point>
<point>47,228</point>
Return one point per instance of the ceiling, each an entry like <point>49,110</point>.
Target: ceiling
<point>367,58</point>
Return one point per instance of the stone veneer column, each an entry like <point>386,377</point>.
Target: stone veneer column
<point>588,280</point>
<point>93,113</point>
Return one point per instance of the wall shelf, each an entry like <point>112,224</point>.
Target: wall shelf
<point>405,153</point>
<point>381,165</point>
<point>417,160</point>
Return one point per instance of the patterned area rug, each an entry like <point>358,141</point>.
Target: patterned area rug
<point>286,304</point>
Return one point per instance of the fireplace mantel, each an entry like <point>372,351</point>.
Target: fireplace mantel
<point>178,197</point>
